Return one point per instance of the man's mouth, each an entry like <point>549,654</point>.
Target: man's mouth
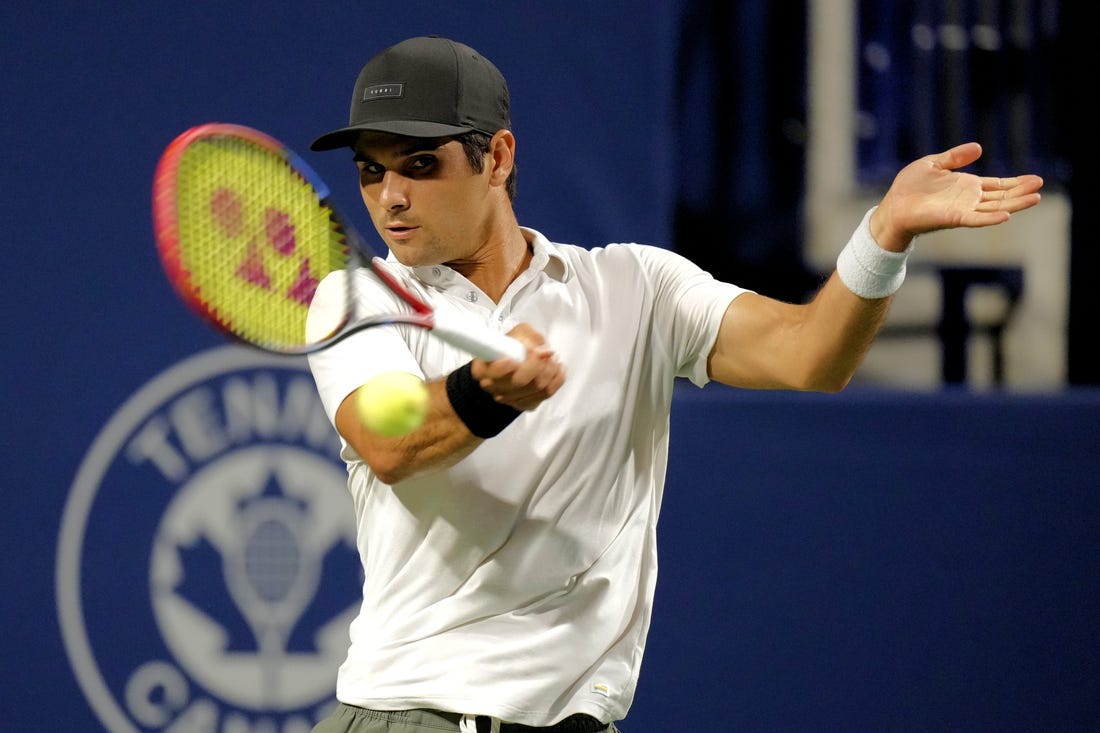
<point>399,230</point>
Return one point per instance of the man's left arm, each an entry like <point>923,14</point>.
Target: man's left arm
<point>766,344</point>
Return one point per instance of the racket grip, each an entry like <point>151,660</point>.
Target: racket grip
<point>482,342</point>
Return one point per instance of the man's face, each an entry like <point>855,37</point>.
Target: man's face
<point>426,201</point>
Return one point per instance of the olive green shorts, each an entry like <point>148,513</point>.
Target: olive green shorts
<point>351,719</point>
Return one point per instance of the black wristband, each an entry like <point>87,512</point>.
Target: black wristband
<point>484,416</point>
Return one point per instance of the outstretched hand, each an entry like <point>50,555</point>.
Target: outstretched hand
<point>931,194</point>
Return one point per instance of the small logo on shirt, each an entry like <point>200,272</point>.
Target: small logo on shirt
<point>601,689</point>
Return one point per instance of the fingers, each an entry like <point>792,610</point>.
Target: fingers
<point>534,380</point>
<point>1011,187</point>
<point>1009,194</point>
<point>522,385</point>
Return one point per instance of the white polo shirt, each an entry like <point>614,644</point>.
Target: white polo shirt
<point>519,583</point>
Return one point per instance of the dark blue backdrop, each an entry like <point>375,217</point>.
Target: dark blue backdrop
<point>862,562</point>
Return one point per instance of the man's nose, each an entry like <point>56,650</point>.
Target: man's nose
<point>393,194</point>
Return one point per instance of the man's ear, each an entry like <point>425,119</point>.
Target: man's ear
<point>502,156</point>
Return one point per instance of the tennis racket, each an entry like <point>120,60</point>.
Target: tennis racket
<point>246,231</point>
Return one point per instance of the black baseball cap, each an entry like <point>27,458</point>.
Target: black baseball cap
<point>424,87</point>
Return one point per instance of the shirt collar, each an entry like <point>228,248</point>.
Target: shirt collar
<point>545,256</point>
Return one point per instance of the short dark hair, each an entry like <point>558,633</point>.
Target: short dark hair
<point>476,146</point>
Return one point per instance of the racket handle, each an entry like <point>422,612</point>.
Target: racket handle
<point>484,343</point>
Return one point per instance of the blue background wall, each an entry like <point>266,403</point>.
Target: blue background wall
<point>873,561</point>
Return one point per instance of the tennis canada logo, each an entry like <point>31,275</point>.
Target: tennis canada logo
<point>206,566</point>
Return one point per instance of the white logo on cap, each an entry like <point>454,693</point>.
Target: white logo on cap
<point>383,91</point>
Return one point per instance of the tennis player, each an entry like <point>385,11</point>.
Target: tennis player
<point>509,543</point>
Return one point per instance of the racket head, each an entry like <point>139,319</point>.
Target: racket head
<point>245,233</point>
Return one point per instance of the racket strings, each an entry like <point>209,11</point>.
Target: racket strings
<point>255,239</point>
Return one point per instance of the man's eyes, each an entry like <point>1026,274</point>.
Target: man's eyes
<point>417,165</point>
<point>421,163</point>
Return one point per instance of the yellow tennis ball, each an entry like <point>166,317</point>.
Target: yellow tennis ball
<point>393,403</point>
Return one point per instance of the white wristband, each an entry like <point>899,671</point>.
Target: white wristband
<point>867,269</point>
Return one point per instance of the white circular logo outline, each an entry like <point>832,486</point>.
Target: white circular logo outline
<point>97,459</point>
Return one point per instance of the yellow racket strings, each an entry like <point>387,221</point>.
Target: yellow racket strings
<point>254,239</point>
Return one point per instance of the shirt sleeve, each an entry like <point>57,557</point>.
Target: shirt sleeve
<point>340,369</point>
<point>688,309</point>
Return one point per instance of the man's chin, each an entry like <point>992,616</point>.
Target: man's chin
<point>409,257</point>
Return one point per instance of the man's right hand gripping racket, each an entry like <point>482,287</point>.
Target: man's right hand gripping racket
<point>246,231</point>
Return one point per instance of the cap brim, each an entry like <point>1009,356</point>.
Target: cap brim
<point>345,137</point>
